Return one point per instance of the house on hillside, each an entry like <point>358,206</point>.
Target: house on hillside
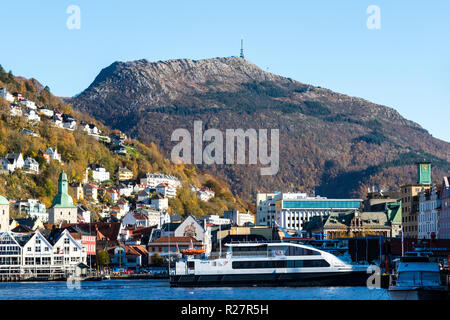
<point>32,115</point>
<point>29,104</point>
<point>15,110</point>
<point>53,154</point>
<point>12,162</point>
<point>135,219</point>
<point>99,173</point>
<point>31,165</point>
<point>6,95</point>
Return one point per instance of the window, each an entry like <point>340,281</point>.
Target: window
<point>280,264</point>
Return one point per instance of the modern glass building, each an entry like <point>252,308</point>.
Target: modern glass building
<point>292,210</point>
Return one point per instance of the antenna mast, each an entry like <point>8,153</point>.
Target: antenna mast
<point>242,48</point>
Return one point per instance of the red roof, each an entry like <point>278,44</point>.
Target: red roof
<point>176,240</point>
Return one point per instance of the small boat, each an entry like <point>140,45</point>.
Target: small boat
<point>417,278</point>
<point>192,251</point>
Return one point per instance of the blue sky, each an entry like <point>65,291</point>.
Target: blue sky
<point>404,65</point>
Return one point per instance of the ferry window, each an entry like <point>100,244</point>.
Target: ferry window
<point>191,264</point>
<point>297,251</point>
<point>280,264</point>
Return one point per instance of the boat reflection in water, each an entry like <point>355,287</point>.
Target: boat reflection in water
<point>269,264</point>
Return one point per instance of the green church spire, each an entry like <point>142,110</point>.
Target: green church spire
<point>62,199</point>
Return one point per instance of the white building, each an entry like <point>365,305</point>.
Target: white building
<point>91,129</point>
<point>239,218</point>
<point>31,165</point>
<point>29,104</point>
<point>6,95</point>
<point>35,254</point>
<point>99,173</point>
<point>4,214</point>
<point>53,153</point>
<point>205,194</point>
<point>125,189</point>
<point>154,179</point>
<point>46,112</point>
<point>292,210</point>
<point>166,190</point>
<point>136,219</point>
<point>160,202</point>
<point>429,209</point>
<point>33,208</point>
<point>13,161</point>
<point>32,115</point>
<point>215,219</point>
<point>15,110</point>
<point>70,124</point>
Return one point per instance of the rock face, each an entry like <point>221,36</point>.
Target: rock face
<point>331,144</point>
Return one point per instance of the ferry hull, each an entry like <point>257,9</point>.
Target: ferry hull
<point>354,278</point>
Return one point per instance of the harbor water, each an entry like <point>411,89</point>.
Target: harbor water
<point>160,290</point>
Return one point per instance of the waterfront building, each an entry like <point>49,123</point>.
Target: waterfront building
<point>43,253</point>
<point>347,224</point>
<point>172,246</point>
<point>444,225</point>
<point>410,200</point>
<point>429,210</point>
<point>4,214</point>
<point>292,210</point>
<point>394,214</point>
<point>62,209</point>
<point>239,218</point>
<point>129,256</point>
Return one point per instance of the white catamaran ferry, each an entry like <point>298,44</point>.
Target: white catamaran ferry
<point>269,264</point>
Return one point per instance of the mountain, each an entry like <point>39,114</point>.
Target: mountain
<point>330,143</point>
<point>78,149</point>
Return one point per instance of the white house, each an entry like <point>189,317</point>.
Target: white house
<point>135,219</point>
<point>32,115</point>
<point>69,124</point>
<point>154,179</point>
<point>68,251</point>
<point>29,104</point>
<point>205,194</point>
<point>31,165</point>
<point>53,153</point>
<point>12,162</point>
<point>46,112</point>
<point>91,129</point>
<point>160,202</point>
<point>99,174</point>
<point>167,190</point>
<point>125,189</point>
<point>15,110</point>
<point>6,95</point>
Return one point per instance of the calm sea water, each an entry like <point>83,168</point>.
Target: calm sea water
<point>160,290</point>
